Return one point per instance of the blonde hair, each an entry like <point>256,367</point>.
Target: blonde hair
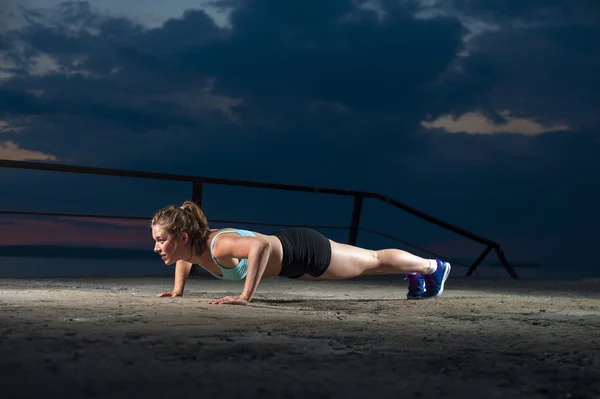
<point>187,218</point>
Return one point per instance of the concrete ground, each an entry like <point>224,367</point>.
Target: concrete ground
<point>484,338</point>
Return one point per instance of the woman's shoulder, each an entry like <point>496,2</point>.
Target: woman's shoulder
<point>243,232</point>
<point>230,244</point>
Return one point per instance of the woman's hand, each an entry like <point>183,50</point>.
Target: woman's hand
<point>230,300</point>
<point>169,294</point>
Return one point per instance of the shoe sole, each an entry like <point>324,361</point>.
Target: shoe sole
<point>446,274</point>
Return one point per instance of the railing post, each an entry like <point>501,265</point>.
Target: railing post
<point>478,260</point>
<point>197,193</point>
<point>505,263</point>
<point>197,198</point>
<point>501,256</point>
<point>358,200</point>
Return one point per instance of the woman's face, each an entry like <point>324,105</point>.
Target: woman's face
<point>170,248</point>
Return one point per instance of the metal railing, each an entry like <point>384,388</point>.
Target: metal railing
<point>198,183</point>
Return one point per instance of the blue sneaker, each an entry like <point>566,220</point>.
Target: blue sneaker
<point>416,286</point>
<point>434,283</point>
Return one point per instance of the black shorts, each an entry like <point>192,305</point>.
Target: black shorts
<point>305,251</point>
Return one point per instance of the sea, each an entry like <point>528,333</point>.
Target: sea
<point>48,267</point>
<point>39,267</point>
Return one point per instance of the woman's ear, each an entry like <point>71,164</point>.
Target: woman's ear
<point>185,237</point>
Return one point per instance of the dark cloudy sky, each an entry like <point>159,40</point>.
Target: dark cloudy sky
<point>482,113</point>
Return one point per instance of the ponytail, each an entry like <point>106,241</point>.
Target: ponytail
<point>200,229</point>
<point>195,210</point>
<point>188,218</point>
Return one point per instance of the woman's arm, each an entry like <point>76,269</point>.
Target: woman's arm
<point>258,256</point>
<point>256,250</point>
<point>182,271</point>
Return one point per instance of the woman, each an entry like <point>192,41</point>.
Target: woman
<point>183,237</point>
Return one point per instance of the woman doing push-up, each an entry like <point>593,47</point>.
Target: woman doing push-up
<point>182,236</point>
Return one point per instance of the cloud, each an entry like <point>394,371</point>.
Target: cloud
<point>43,65</point>
<point>71,55</point>
<point>11,151</point>
<point>528,13</point>
<point>22,103</point>
<point>301,71</point>
<point>476,123</point>
<point>326,70</point>
<point>7,127</point>
<point>273,68</point>
<point>330,51</point>
<point>542,71</point>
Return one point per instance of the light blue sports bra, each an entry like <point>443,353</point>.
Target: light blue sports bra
<point>241,269</point>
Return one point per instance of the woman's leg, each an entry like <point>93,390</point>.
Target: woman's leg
<point>348,261</point>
